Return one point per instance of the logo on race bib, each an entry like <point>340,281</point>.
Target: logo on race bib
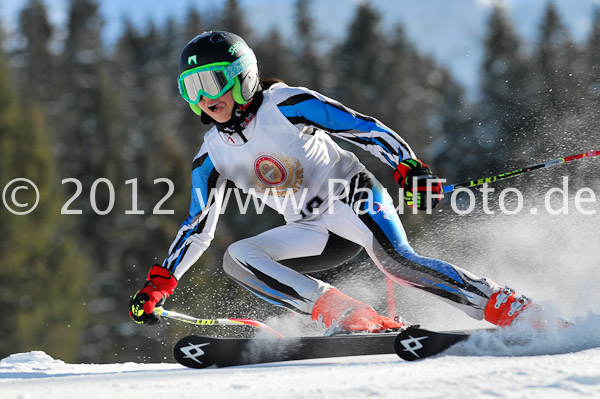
<point>270,171</point>
<point>279,173</point>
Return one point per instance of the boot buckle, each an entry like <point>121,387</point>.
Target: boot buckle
<point>518,305</point>
<point>503,296</point>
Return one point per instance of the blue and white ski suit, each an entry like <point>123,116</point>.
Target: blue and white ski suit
<point>284,154</point>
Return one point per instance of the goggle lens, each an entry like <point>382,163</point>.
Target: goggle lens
<point>212,80</point>
<point>205,83</point>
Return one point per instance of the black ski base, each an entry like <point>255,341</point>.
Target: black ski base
<point>198,351</point>
<point>418,343</point>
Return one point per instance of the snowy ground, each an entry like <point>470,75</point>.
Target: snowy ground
<point>468,371</point>
<point>552,259</point>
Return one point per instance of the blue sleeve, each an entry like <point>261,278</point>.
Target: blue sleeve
<point>197,230</point>
<point>312,109</point>
<point>204,183</point>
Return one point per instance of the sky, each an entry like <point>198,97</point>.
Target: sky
<point>451,31</point>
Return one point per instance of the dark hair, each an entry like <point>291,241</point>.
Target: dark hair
<point>265,83</point>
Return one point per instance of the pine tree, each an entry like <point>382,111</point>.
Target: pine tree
<point>593,58</point>
<point>36,63</point>
<point>43,273</point>
<point>137,109</point>
<point>560,83</point>
<point>94,133</point>
<point>589,123</point>
<point>455,151</point>
<point>194,25</point>
<point>308,60</point>
<point>507,117</point>
<point>409,92</point>
<point>233,20</point>
<point>357,62</point>
<point>274,59</point>
<point>556,55</point>
<point>82,59</point>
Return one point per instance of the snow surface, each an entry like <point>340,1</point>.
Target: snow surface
<point>553,259</point>
<point>482,367</point>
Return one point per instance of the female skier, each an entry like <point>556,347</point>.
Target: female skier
<point>275,142</point>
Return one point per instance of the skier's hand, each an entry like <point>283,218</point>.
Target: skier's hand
<point>160,283</point>
<point>417,179</point>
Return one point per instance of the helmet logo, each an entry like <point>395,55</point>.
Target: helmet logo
<point>218,37</point>
<point>192,58</point>
<point>235,47</point>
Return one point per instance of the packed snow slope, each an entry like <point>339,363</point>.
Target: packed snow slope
<point>553,259</point>
<point>562,363</point>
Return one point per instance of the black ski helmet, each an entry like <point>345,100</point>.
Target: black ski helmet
<point>220,46</point>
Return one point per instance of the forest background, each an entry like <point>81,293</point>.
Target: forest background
<point>72,107</point>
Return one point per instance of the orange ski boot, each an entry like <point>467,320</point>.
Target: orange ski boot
<point>348,314</point>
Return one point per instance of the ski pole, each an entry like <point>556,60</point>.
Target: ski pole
<point>518,172</point>
<point>215,322</point>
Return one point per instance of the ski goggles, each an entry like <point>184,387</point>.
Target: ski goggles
<point>212,80</point>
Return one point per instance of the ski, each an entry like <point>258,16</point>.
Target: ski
<point>198,351</point>
<point>418,343</point>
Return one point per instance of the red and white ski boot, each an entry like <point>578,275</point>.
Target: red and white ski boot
<point>504,307</point>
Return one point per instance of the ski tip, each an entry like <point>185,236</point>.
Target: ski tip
<point>195,352</point>
<point>417,343</point>
<point>408,343</point>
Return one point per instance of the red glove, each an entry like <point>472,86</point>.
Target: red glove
<point>414,176</point>
<point>160,283</point>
